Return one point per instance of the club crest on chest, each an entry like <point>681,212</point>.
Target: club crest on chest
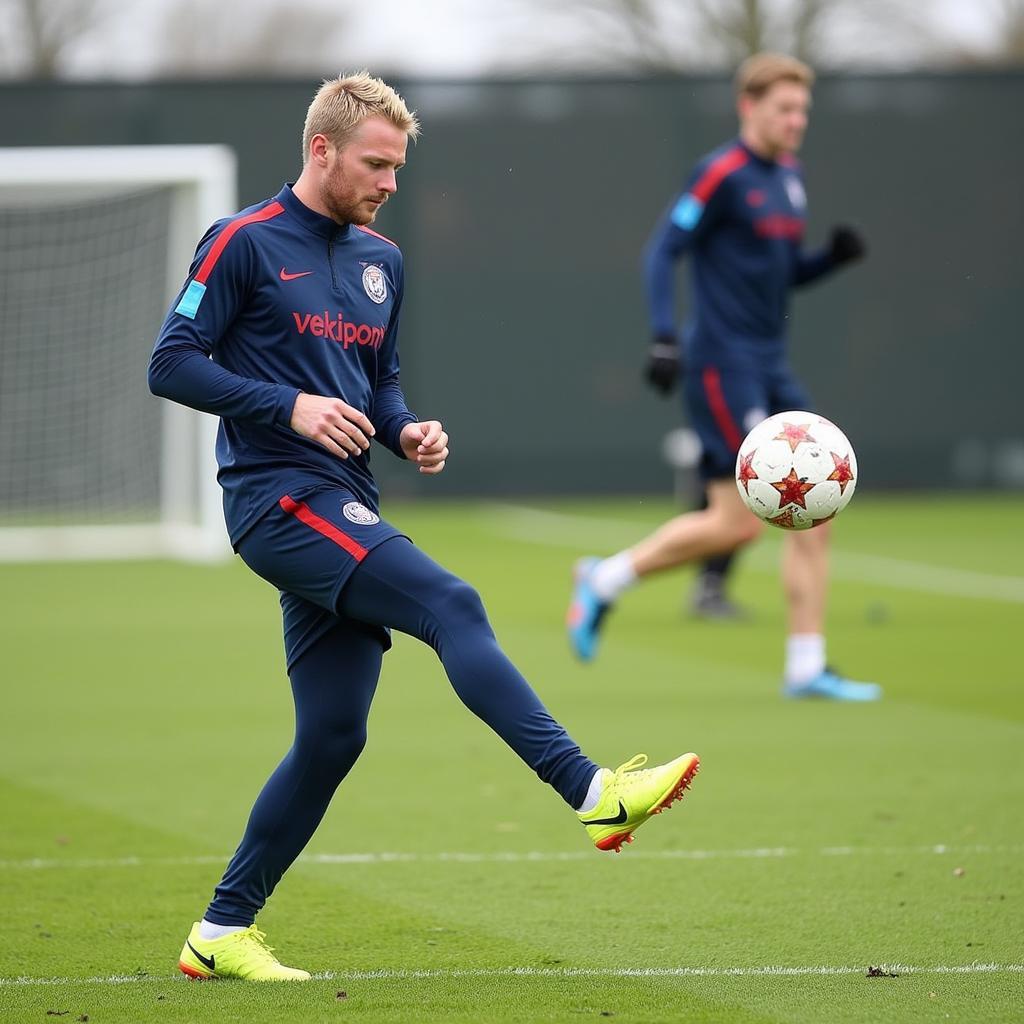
<point>375,284</point>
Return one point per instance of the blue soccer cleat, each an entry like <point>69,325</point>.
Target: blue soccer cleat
<point>586,611</point>
<point>829,686</point>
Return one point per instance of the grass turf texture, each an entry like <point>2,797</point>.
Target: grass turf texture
<point>146,703</point>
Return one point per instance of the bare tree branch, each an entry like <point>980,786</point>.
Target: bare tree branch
<point>46,29</point>
<point>646,36</point>
<point>300,38</point>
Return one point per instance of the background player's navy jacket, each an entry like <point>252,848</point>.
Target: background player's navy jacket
<point>285,300</point>
<point>742,219</point>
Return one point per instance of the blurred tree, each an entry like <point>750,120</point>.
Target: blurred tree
<point>210,38</point>
<point>37,34</point>
<point>223,38</point>
<point>246,38</point>
<point>670,35</point>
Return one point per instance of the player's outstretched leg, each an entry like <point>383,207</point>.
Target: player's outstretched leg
<point>633,794</point>
<point>586,610</point>
<point>242,954</point>
<point>829,685</point>
<point>397,584</point>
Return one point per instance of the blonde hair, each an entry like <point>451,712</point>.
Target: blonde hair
<point>757,74</point>
<point>342,104</point>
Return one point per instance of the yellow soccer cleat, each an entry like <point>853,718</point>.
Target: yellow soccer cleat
<point>632,794</point>
<point>243,954</point>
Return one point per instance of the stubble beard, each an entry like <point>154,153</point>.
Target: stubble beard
<point>342,203</point>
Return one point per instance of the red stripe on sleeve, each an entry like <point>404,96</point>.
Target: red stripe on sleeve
<point>306,515</point>
<point>268,212</point>
<point>718,169</point>
<point>720,409</point>
<point>367,231</point>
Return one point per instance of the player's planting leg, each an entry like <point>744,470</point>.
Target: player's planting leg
<point>333,683</point>
<point>399,586</point>
<point>805,580</point>
<point>242,954</point>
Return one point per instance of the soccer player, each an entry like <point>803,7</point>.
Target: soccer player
<point>741,219</point>
<point>287,328</point>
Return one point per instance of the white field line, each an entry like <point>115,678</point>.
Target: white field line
<point>525,857</point>
<point>603,536</point>
<point>411,974</point>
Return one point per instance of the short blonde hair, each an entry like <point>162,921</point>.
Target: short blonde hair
<point>342,104</point>
<point>757,74</point>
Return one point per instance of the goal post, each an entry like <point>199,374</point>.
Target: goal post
<point>94,243</point>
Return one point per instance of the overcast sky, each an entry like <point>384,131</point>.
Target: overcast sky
<point>435,38</point>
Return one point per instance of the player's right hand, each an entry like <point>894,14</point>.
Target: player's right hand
<point>341,428</point>
<point>664,366</point>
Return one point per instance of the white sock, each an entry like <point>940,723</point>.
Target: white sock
<point>209,931</point>
<point>805,657</point>
<point>593,793</point>
<point>612,576</point>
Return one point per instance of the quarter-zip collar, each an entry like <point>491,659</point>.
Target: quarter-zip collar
<point>315,222</point>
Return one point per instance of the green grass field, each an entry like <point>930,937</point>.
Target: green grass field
<point>144,705</point>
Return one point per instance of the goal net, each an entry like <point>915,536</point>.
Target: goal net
<point>94,242</point>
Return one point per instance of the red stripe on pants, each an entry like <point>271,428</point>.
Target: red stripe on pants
<point>306,515</point>
<point>720,410</point>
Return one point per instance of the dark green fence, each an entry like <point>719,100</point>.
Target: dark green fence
<point>522,213</point>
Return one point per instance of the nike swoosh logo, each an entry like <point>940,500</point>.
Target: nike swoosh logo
<point>206,961</point>
<point>285,276</point>
<point>617,820</point>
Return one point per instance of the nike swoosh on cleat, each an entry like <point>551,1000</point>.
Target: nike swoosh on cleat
<point>617,820</point>
<point>206,961</point>
<point>285,276</point>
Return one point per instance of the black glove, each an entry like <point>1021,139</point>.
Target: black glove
<point>845,245</point>
<point>664,365</point>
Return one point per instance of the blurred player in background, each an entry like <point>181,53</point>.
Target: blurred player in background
<point>741,219</point>
<point>297,302</point>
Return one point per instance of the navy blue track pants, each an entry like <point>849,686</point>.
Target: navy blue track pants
<point>334,663</point>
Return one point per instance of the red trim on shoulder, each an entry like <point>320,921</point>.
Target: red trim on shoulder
<point>720,408</point>
<point>719,168</point>
<point>306,515</point>
<point>268,212</point>
<point>366,230</point>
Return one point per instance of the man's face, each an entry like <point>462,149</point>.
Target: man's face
<point>778,119</point>
<point>360,176</point>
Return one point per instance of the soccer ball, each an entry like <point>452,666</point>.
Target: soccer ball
<point>796,470</point>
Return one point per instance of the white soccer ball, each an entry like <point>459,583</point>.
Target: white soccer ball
<point>796,470</point>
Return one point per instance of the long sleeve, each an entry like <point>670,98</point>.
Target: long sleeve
<point>809,266</point>
<point>181,369</point>
<point>390,412</point>
<point>692,213</point>
<point>666,245</point>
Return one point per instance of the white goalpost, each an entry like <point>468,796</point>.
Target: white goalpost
<point>94,243</point>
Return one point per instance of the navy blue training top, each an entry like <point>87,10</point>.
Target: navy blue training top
<point>741,218</point>
<point>280,299</point>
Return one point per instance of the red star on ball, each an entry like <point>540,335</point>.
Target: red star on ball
<point>842,473</point>
<point>746,473</point>
<point>794,433</point>
<point>792,490</point>
<point>784,520</point>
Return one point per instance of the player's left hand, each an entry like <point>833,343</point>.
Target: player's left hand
<point>846,245</point>
<point>426,444</point>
